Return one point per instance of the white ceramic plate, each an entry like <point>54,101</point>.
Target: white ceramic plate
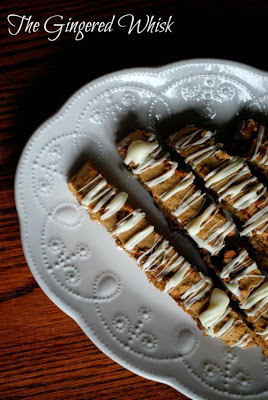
<point>75,261</point>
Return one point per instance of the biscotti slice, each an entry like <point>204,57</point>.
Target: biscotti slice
<point>175,192</point>
<point>251,142</point>
<point>142,153</point>
<point>245,283</point>
<point>164,267</point>
<point>232,183</point>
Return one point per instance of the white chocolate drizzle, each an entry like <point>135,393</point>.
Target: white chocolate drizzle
<point>243,342</point>
<point>94,193</point>
<point>215,241</point>
<point>144,155</point>
<point>183,184</point>
<point>194,293</point>
<point>145,253</point>
<point>170,265</point>
<point>263,313</point>
<point>258,299</point>
<point>178,277</point>
<point>195,226</point>
<point>264,332</point>
<point>232,265</point>
<point>147,159</point>
<point>163,177</point>
<point>115,205</point>
<point>244,171</point>
<point>185,143</point>
<point>258,142</point>
<point>128,222</point>
<point>250,197</point>
<point>187,202</point>
<point>90,183</point>
<point>216,311</point>
<point>138,237</point>
<point>100,204</point>
<point>158,252</point>
<point>236,189</point>
<point>238,263</point>
<point>232,165</point>
<point>261,217</point>
<point>239,184</point>
<point>227,327</point>
<point>264,159</point>
<point>139,151</point>
<point>201,155</point>
<point>158,255</point>
<point>151,162</point>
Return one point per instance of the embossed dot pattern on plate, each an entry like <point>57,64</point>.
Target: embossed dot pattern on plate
<point>78,265</point>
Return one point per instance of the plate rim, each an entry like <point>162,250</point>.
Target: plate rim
<point>59,302</point>
<point>155,69</point>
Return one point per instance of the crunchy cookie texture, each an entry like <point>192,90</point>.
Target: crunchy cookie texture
<point>242,278</point>
<point>251,142</point>
<point>164,267</point>
<point>175,192</point>
<point>198,217</point>
<point>231,182</point>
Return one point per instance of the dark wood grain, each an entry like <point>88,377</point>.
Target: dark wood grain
<point>43,353</point>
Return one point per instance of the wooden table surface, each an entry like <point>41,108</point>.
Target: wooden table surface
<point>43,353</point>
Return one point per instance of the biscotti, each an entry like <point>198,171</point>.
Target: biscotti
<point>208,226</point>
<point>164,267</point>
<point>251,141</point>
<point>174,191</point>
<point>245,283</point>
<point>230,180</point>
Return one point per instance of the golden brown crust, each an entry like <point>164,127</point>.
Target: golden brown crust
<point>258,241</point>
<point>79,181</point>
<point>76,185</point>
<point>248,283</point>
<point>245,142</point>
<point>168,206</point>
<point>247,286</point>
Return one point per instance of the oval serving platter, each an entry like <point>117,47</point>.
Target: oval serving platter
<point>75,261</point>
